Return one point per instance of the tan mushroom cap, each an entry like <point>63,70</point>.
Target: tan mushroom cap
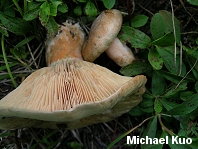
<point>67,43</point>
<point>70,92</point>
<point>104,30</point>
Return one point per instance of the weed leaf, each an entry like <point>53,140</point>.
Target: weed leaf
<point>158,83</point>
<point>135,37</point>
<point>155,59</point>
<point>109,3</point>
<point>90,9</point>
<point>169,24</point>
<point>139,20</point>
<point>135,68</point>
<point>44,13</point>
<point>78,10</point>
<point>166,40</point>
<point>186,107</point>
<point>193,2</point>
<point>53,8</point>
<point>168,58</point>
<point>157,26</point>
<point>15,25</point>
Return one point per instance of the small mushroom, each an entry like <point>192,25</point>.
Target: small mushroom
<point>67,43</point>
<point>104,30</point>
<point>120,53</point>
<point>70,93</point>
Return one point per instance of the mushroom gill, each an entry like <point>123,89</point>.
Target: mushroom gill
<point>68,90</point>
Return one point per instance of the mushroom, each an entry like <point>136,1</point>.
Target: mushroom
<point>72,93</point>
<point>104,30</point>
<point>69,92</point>
<point>120,53</point>
<point>67,43</point>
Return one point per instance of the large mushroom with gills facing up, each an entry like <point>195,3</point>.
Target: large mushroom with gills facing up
<point>70,93</point>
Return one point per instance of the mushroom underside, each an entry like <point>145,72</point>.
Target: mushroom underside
<point>70,93</point>
<point>122,106</point>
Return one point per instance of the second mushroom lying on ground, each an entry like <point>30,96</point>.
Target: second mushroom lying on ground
<point>70,92</point>
<point>103,37</point>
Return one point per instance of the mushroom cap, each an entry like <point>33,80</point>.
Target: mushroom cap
<point>104,30</point>
<point>67,43</point>
<point>120,53</point>
<point>70,92</point>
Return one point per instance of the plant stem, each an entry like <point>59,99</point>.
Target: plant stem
<point>6,61</point>
<point>25,6</point>
<point>18,7</point>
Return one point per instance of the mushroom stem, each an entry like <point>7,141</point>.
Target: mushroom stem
<point>104,30</point>
<point>120,53</point>
<point>67,43</point>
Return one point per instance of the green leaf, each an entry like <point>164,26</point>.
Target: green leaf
<point>33,5</point>
<point>20,53</point>
<point>168,105</point>
<point>139,20</point>
<point>157,106</point>
<point>158,146</point>
<point>174,89</point>
<point>158,83</point>
<point>6,134</point>
<point>185,95</point>
<point>4,31</point>
<point>8,9</point>
<point>193,52</point>
<point>63,8</point>
<point>109,3</point>
<point>186,107</point>
<point>194,144</point>
<point>167,55</point>
<point>157,26</point>
<point>83,1</point>
<point>196,86</point>
<point>150,131</point>
<point>164,41</point>
<point>31,15</point>
<point>193,2</point>
<point>15,25</point>
<point>44,13</point>
<point>147,109</point>
<point>32,12</point>
<point>155,59</point>
<point>174,78</point>
<point>169,24</point>
<point>135,68</point>
<point>24,41</point>
<point>52,27</point>
<point>147,94</point>
<point>75,145</point>
<point>53,8</point>
<point>193,63</point>
<point>10,65</point>
<point>136,111</point>
<point>90,9</point>
<point>78,10</point>
<point>146,102</point>
<point>135,37</point>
